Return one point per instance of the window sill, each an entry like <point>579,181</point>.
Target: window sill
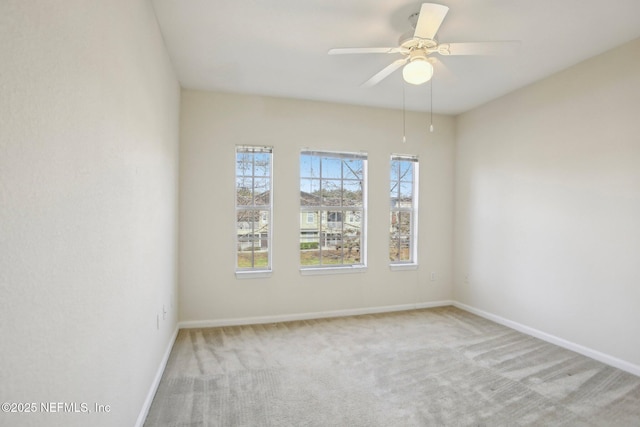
<point>403,267</point>
<point>255,274</point>
<point>332,270</point>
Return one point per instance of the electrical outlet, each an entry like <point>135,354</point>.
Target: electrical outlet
<point>164,313</point>
<point>466,278</point>
<point>157,321</point>
<point>433,276</point>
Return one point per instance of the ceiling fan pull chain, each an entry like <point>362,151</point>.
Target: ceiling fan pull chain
<point>404,119</point>
<point>431,107</point>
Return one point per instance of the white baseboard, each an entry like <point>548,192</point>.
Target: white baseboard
<point>585,351</point>
<point>156,381</point>
<point>307,316</point>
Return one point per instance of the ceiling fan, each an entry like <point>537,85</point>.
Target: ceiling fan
<point>416,45</point>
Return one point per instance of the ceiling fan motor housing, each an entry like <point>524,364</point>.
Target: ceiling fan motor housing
<point>409,41</point>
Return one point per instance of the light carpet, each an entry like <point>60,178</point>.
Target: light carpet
<point>431,367</point>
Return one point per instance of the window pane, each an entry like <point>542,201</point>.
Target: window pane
<point>331,192</point>
<point>331,235</point>
<point>309,166</point>
<point>309,257</point>
<point>352,169</point>
<point>253,208</point>
<point>246,220</point>
<point>261,190</point>
<point>406,171</point>
<point>244,164</point>
<point>352,225</point>
<point>394,189</point>
<point>309,231</point>
<point>262,224</point>
<point>395,171</point>
<point>349,245</point>
<point>310,246</point>
<point>244,194</point>
<point>400,238</point>
<point>253,252</point>
<point>309,186</point>
<point>331,167</point>
<point>262,164</point>
<point>334,222</point>
<point>403,224</point>
<point>309,192</point>
<point>354,218</point>
<point>331,256</point>
<point>309,238</point>
<point>352,193</point>
<point>403,175</point>
<point>406,193</point>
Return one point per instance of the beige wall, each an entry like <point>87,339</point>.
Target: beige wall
<point>213,123</point>
<point>548,205</point>
<point>88,207</point>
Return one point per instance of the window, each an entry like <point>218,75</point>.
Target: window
<point>253,208</point>
<point>333,195</point>
<point>335,217</point>
<point>404,209</point>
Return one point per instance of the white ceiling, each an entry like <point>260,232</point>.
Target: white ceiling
<point>279,47</point>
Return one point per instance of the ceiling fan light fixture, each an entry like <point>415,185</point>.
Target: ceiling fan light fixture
<point>418,71</point>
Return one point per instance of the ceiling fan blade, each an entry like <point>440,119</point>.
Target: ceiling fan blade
<point>479,48</point>
<point>349,50</point>
<point>430,19</point>
<point>386,71</point>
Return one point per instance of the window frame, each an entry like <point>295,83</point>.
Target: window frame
<point>324,212</point>
<point>258,208</point>
<point>413,210</point>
